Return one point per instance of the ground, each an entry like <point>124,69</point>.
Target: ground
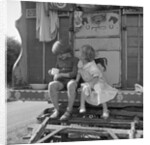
<point>16,136</point>
<point>19,116</point>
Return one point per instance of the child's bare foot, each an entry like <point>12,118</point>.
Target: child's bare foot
<point>105,115</point>
<point>82,110</point>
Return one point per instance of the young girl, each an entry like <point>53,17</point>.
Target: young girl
<point>95,90</point>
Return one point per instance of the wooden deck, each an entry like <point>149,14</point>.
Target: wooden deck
<point>126,124</point>
<point>125,120</point>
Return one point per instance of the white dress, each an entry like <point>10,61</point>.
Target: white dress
<point>101,92</point>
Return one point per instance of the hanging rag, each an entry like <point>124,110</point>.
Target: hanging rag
<point>54,24</point>
<point>46,23</point>
<point>38,18</point>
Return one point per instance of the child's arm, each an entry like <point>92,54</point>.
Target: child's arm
<point>74,71</point>
<point>78,77</point>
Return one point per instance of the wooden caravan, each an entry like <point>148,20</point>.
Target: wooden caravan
<point>116,33</point>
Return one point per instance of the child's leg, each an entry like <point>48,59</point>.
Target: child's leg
<point>82,102</point>
<point>105,108</point>
<point>53,88</point>
<point>85,92</point>
<point>71,90</point>
<point>105,111</point>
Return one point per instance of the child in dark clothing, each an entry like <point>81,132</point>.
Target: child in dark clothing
<point>64,77</point>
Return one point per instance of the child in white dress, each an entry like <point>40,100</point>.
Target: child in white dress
<point>94,90</point>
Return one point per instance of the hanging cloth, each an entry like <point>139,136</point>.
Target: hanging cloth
<point>38,19</point>
<point>54,23</point>
<point>46,23</point>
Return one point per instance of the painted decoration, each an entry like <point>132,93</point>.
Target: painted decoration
<point>96,24</point>
<point>60,6</point>
<point>123,97</point>
<point>78,20</point>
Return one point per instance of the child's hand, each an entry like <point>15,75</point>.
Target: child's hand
<point>78,77</point>
<point>86,88</point>
<point>93,81</point>
<point>49,71</point>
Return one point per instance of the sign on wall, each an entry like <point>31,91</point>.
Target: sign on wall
<point>96,24</point>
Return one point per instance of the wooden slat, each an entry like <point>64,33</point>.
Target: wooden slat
<point>139,55</point>
<point>132,52</point>
<point>111,123</point>
<point>141,20</point>
<point>126,52</point>
<point>39,132</point>
<point>131,82</point>
<point>132,31</point>
<point>132,20</point>
<point>64,29</point>
<point>132,60</point>
<point>132,41</point>
<point>141,30</point>
<point>51,134</point>
<point>127,113</point>
<point>132,71</point>
<point>113,135</point>
<point>88,129</point>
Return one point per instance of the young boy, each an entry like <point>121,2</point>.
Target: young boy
<point>65,78</point>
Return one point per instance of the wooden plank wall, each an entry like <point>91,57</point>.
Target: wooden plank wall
<point>35,52</point>
<point>64,29</point>
<point>133,49</point>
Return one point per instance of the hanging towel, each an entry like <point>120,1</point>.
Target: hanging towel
<point>46,25</point>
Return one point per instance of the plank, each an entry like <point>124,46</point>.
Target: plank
<point>38,133</point>
<point>88,129</point>
<point>51,134</point>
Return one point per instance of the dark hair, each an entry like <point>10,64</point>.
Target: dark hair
<point>103,61</point>
<point>88,52</point>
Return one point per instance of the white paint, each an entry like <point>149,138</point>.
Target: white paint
<point>107,44</point>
